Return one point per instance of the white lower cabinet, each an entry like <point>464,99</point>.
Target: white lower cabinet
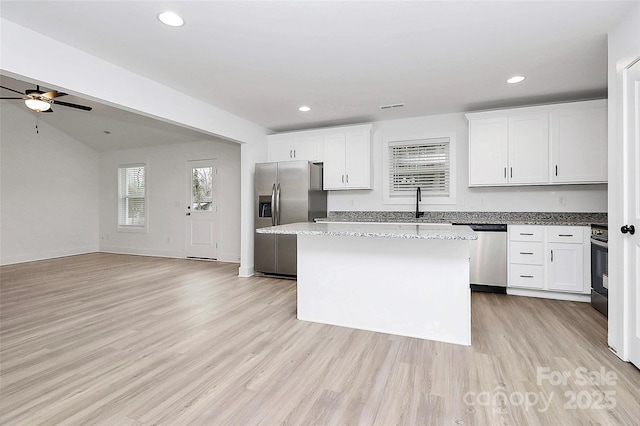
<point>565,267</point>
<point>526,276</point>
<point>549,261</point>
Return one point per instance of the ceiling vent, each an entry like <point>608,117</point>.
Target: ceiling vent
<point>392,106</point>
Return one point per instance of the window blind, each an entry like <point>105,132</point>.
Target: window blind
<point>422,163</point>
<point>132,192</point>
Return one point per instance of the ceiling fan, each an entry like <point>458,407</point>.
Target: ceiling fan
<point>40,101</point>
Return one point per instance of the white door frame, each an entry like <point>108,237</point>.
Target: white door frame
<point>620,310</point>
<point>631,128</point>
<point>207,248</point>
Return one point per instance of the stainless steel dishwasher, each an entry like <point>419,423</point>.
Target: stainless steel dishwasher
<point>488,258</point>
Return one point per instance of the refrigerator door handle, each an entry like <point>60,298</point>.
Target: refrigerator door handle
<point>273,205</point>
<point>278,205</point>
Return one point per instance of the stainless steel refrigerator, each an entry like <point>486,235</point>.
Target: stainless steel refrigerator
<point>285,192</point>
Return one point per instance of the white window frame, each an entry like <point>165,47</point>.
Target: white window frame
<point>427,199</point>
<point>133,228</point>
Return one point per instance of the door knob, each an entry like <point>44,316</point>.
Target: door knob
<point>628,228</point>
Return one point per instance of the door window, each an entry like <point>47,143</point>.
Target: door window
<point>202,189</point>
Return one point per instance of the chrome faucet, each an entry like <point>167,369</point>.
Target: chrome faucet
<point>419,214</point>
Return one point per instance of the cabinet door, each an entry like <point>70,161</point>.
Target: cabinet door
<point>306,148</point>
<point>280,150</point>
<point>529,149</point>
<point>565,267</point>
<point>358,160</point>
<point>579,145</point>
<point>334,161</point>
<point>488,151</point>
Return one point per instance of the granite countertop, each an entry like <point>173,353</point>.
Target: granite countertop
<point>375,230</point>
<point>507,218</point>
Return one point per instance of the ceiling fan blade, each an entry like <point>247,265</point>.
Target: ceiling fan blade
<point>32,92</point>
<point>67,104</point>
<point>6,88</point>
<point>51,94</point>
<point>12,98</point>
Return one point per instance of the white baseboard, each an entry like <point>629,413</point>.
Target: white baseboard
<point>544,294</point>
<point>11,260</point>
<point>141,252</point>
<point>246,272</point>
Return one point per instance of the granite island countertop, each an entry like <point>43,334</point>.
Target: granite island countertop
<point>375,230</point>
<point>507,218</point>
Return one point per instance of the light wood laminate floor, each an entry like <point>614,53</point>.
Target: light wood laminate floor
<point>129,340</point>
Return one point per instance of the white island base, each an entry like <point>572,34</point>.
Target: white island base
<point>409,287</point>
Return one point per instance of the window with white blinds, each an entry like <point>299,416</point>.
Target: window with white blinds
<point>422,163</point>
<point>132,196</point>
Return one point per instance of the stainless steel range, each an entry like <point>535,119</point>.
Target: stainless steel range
<point>600,268</point>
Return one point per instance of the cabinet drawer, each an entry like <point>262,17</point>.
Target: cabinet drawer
<point>565,234</point>
<point>526,233</point>
<point>527,276</point>
<point>526,253</point>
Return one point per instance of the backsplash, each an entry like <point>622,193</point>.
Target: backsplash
<point>529,218</point>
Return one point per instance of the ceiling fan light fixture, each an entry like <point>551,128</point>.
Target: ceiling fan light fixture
<point>171,19</point>
<point>37,105</point>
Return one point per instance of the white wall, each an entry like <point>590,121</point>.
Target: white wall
<point>578,198</point>
<point>624,48</point>
<point>49,190</point>
<point>167,198</point>
<point>86,75</point>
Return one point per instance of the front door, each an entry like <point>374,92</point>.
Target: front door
<point>632,193</point>
<point>202,210</point>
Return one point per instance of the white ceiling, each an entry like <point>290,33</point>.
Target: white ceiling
<point>126,129</point>
<point>262,60</point>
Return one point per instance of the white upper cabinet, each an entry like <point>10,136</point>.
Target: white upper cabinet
<point>488,152</point>
<point>529,149</point>
<point>579,143</point>
<point>345,152</point>
<point>509,150</point>
<point>294,146</point>
<point>347,159</point>
<point>528,146</point>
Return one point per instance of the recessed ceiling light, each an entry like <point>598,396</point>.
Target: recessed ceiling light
<point>515,79</point>
<point>171,18</point>
<point>304,108</point>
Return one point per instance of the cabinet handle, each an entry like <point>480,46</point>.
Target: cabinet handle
<point>505,172</point>
<point>556,170</point>
<point>342,178</point>
<point>525,233</point>
<point>347,177</point>
<point>526,276</point>
<point>290,153</point>
<point>552,255</point>
<point>511,171</point>
<point>294,153</point>
<point>565,235</point>
<point>524,252</point>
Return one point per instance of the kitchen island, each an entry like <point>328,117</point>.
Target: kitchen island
<point>409,280</point>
